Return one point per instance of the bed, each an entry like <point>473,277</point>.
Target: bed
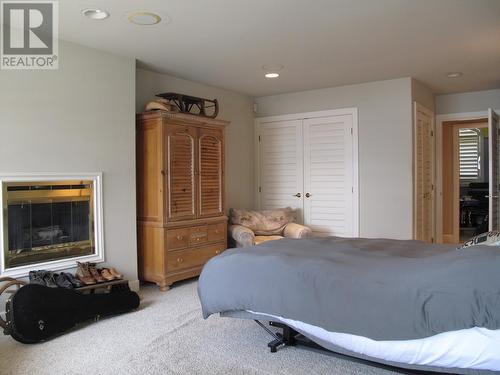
<point>400,303</point>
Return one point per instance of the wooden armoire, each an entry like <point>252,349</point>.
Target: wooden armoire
<point>180,195</point>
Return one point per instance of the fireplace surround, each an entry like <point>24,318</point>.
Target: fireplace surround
<point>50,221</point>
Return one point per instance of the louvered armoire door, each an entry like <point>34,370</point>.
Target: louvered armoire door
<point>210,172</point>
<point>329,175</point>
<point>181,185</point>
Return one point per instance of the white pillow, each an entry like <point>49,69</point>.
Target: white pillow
<point>487,238</point>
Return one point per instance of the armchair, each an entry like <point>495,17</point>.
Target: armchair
<point>248,228</point>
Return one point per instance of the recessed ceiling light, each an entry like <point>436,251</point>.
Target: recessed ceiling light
<point>454,74</point>
<point>144,18</point>
<point>272,75</point>
<point>95,14</point>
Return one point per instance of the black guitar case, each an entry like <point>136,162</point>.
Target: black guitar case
<point>36,313</point>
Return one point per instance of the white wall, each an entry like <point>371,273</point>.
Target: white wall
<point>234,107</point>
<point>79,118</point>
<point>385,147</point>
<point>476,101</point>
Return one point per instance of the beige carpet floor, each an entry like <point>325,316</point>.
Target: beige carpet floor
<point>168,335</point>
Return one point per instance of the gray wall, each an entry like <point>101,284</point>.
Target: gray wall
<point>79,118</point>
<point>234,107</point>
<point>385,147</point>
<point>468,102</point>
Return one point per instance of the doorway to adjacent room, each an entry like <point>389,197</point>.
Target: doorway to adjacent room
<point>469,163</point>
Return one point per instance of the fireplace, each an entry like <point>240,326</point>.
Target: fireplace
<point>50,222</point>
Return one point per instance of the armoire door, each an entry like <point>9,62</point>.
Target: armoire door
<point>150,181</point>
<point>328,175</point>
<point>281,165</point>
<point>210,172</point>
<point>181,187</point>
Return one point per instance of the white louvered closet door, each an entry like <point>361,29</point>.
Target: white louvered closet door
<point>328,175</point>
<point>281,166</point>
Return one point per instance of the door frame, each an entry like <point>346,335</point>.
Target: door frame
<point>440,119</point>
<point>417,107</point>
<point>353,111</point>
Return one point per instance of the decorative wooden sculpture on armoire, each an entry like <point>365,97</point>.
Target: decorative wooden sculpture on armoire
<point>180,195</point>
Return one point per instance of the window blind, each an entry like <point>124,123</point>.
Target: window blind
<point>470,167</point>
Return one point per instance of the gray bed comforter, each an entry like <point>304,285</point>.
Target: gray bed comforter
<point>378,288</point>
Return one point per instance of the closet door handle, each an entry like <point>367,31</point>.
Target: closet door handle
<point>308,195</point>
<point>298,195</point>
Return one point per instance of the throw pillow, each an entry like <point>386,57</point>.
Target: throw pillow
<point>488,238</point>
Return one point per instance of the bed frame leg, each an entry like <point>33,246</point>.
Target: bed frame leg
<point>286,338</point>
<point>287,335</point>
<point>275,344</point>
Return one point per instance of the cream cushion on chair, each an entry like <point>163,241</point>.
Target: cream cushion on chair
<point>261,239</point>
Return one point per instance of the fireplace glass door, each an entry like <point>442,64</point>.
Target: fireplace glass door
<point>47,221</point>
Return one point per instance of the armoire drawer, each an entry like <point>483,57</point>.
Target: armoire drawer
<point>177,238</point>
<point>216,232</point>
<point>191,258</point>
<point>198,235</point>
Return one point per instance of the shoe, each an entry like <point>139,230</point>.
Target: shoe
<point>115,273</point>
<point>36,278</point>
<point>49,278</point>
<point>107,274</point>
<point>63,282</point>
<point>83,274</point>
<point>95,273</point>
<point>73,280</point>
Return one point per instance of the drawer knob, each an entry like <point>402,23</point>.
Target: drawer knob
<point>217,252</point>
<point>179,260</point>
<point>197,238</point>
<point>180,238</point>
<point>216,231</point>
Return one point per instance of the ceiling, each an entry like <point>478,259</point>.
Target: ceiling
<point>321,43</point>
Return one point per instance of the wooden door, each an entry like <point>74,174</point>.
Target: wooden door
<point>281,165</point>
<point>328,175</point>
<point>424,174</point>
<point>181,188</point>
<point>494,164</point>
<point>210,172</point>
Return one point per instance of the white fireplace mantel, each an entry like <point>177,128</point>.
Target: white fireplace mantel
<point>60,264</point>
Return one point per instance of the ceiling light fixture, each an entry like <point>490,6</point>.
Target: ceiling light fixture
<point>272,75</point>
<point>144,18</point>
<point>454,74</point>
<point>95,14</point>
<point>273,67</point>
